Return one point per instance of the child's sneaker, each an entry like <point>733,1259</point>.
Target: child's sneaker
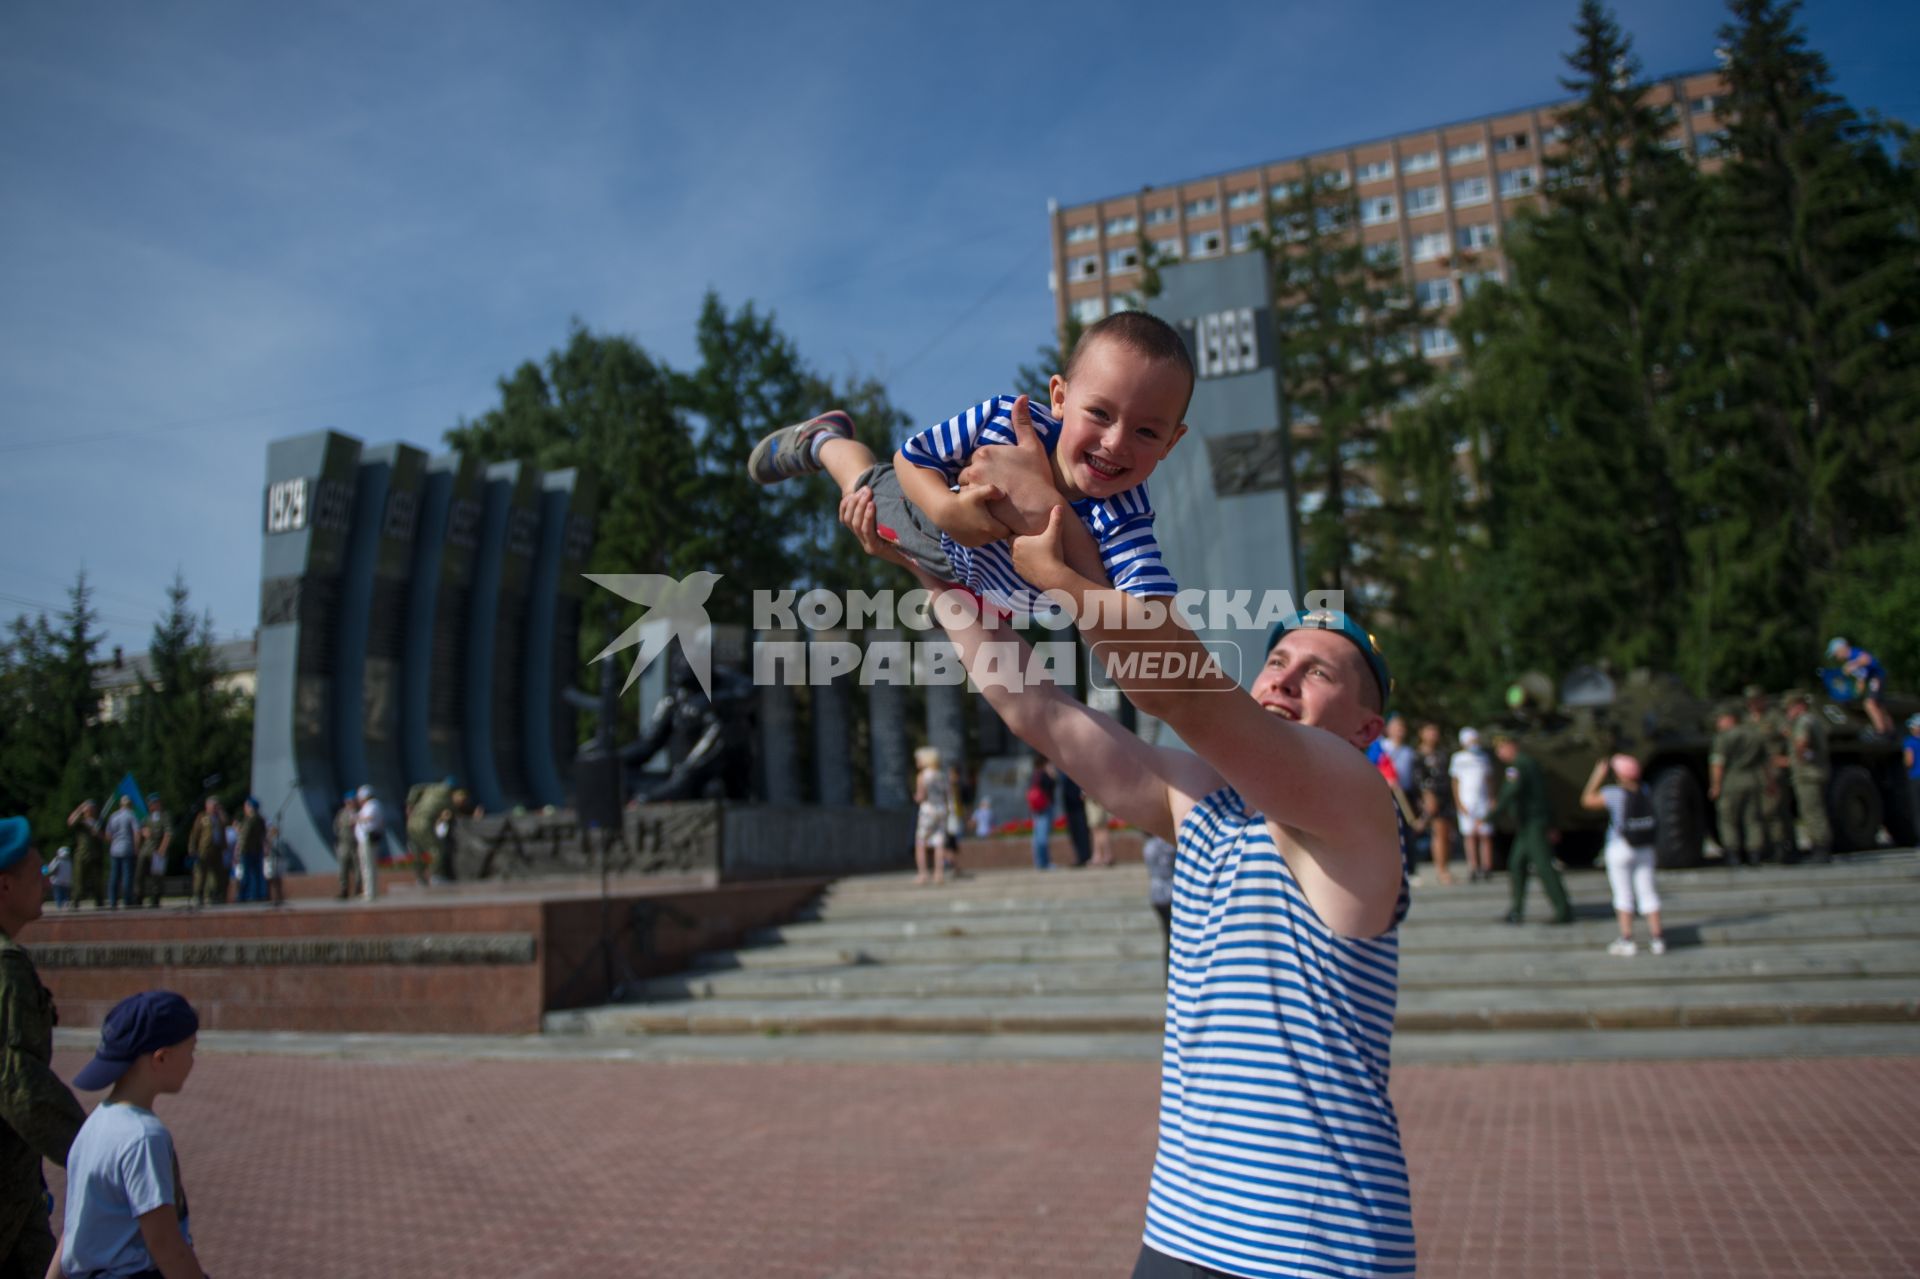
<point>1622,947</point>
<point>789,451</point>
<point>1656,947</point>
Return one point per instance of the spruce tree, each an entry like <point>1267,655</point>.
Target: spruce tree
<point>1345,330</point>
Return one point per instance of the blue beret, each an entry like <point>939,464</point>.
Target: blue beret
<point>16,836</point>
<point>1341,624</point>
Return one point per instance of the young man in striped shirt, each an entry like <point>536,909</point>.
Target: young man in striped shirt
<point>1279,1151</point>
<point>1114,414</point>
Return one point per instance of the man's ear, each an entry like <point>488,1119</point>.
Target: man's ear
<point>1369,730</point>
<point>1057,393</point>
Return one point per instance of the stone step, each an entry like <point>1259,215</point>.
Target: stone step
<point>1579,969</point>
<point>1142,941</point>
<point>1592,1007</point>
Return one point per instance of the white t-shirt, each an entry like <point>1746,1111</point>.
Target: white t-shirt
<point>1472,770</point>
<point>368,823</point>
<point>121,1167</point>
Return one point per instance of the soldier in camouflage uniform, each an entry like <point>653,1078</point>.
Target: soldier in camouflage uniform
<point>89,854</point>
<point>1809,768</point>
<point>1776,818</point>
<point>156,837</point>
<point>207,844</point>
<point>430,828</point>
<point>1523,798</point>
<point>40,1115</point>
<point>1737,776</point>
<point>346,849</point>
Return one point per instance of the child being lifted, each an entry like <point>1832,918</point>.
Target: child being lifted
<point>1112,416</point>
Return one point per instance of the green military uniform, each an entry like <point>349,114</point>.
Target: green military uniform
<point>347,851</point>
<point>40,1114</point>
<point>1776,821</point>
<point>1524,799</point>
<point>207,842</point>
<point>89,862</point>
<point>1809,771</point>
<point>1741,751</point>
<point>425,803</point>
<point>153,838</point>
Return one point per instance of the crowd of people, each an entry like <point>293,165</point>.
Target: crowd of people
<point>122,861</point>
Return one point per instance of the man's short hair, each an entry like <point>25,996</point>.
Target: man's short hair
<point>1147,336</point>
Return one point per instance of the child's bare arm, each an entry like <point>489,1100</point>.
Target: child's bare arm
<point>962,516</point>
<point>1021,471</point>
<point>172,1254</point>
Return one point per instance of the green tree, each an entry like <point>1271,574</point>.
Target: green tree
<point>1816,351</point>
<point>51,756</point>
<point>1572,369</point>
<point>1346,332</point>
<point>182,727</point>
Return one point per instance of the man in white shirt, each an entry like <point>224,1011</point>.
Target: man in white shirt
<point>369,831</point>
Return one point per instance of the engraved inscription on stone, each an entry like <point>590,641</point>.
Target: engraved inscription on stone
<point>403,508</point>
<point>463,522</point>
<point>1251,462</point>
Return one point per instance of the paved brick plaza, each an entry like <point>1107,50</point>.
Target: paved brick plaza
<point>340,1168</point>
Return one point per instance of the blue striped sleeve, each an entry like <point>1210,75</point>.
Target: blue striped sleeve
<point>946,447</point>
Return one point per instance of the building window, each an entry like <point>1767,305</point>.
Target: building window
<point>1169,249</point>
<point>1516,182</point>
<point>1338,179</point>
<point>1557,134</point>
<point>1082,233</point>
<point>1243,200</point>
<point>1422,162</point>
<point>1123,226</point>
<point>1704,105</point>
<point>1327,218</point>
<point>1121,302</point>
<point>1087,310</point>
<point>1423,200</point>
<point>1376,171</point>
<point>1434,293</point>
<point>1203,206</point>
<point>1083,268</point>
<point>1204,244</point>
<point>1240,235</point>
<point>1479,235</point>
<point>1466,152</point>
<point>1710,145</point>
<point>1469,191</point>
<point>1438,342</point>
<point>1120,260</point>
<point>1376,209</point>
<point>1284,191</point>
<point>1510,142</point>
<point>1429,246</point>
<point>1160,217</point>
<point>1384,253</point>
<point>1471,281</point>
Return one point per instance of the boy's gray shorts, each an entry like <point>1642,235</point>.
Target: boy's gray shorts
<point>904,524</point>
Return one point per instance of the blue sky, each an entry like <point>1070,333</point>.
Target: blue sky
<point>221,224</point>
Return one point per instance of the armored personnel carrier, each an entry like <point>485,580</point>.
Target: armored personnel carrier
<point>1653,717</point>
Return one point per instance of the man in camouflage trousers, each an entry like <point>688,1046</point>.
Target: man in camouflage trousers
<point>1736,779</point>
<point>429,828</point>
<point>156,838</point>
<point>207,845</point>
<point>1776,817</point>
<point>38,1115</point>
<point>89,854</point>
<point>1810,768</point>
<point>346,849</point>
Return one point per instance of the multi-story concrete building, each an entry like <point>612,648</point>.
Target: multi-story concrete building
<point>1442,193</point>
<point>117,680</point>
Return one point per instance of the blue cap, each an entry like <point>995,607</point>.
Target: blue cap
<point>1327,619</point>
<point>16,836</point>
<point>137,1026</point>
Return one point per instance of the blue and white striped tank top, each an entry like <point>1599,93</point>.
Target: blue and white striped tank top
<point>1279,1148</point>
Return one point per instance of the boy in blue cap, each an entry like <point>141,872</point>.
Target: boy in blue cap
<point>38,1116</point>
<point>126,1205</point>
